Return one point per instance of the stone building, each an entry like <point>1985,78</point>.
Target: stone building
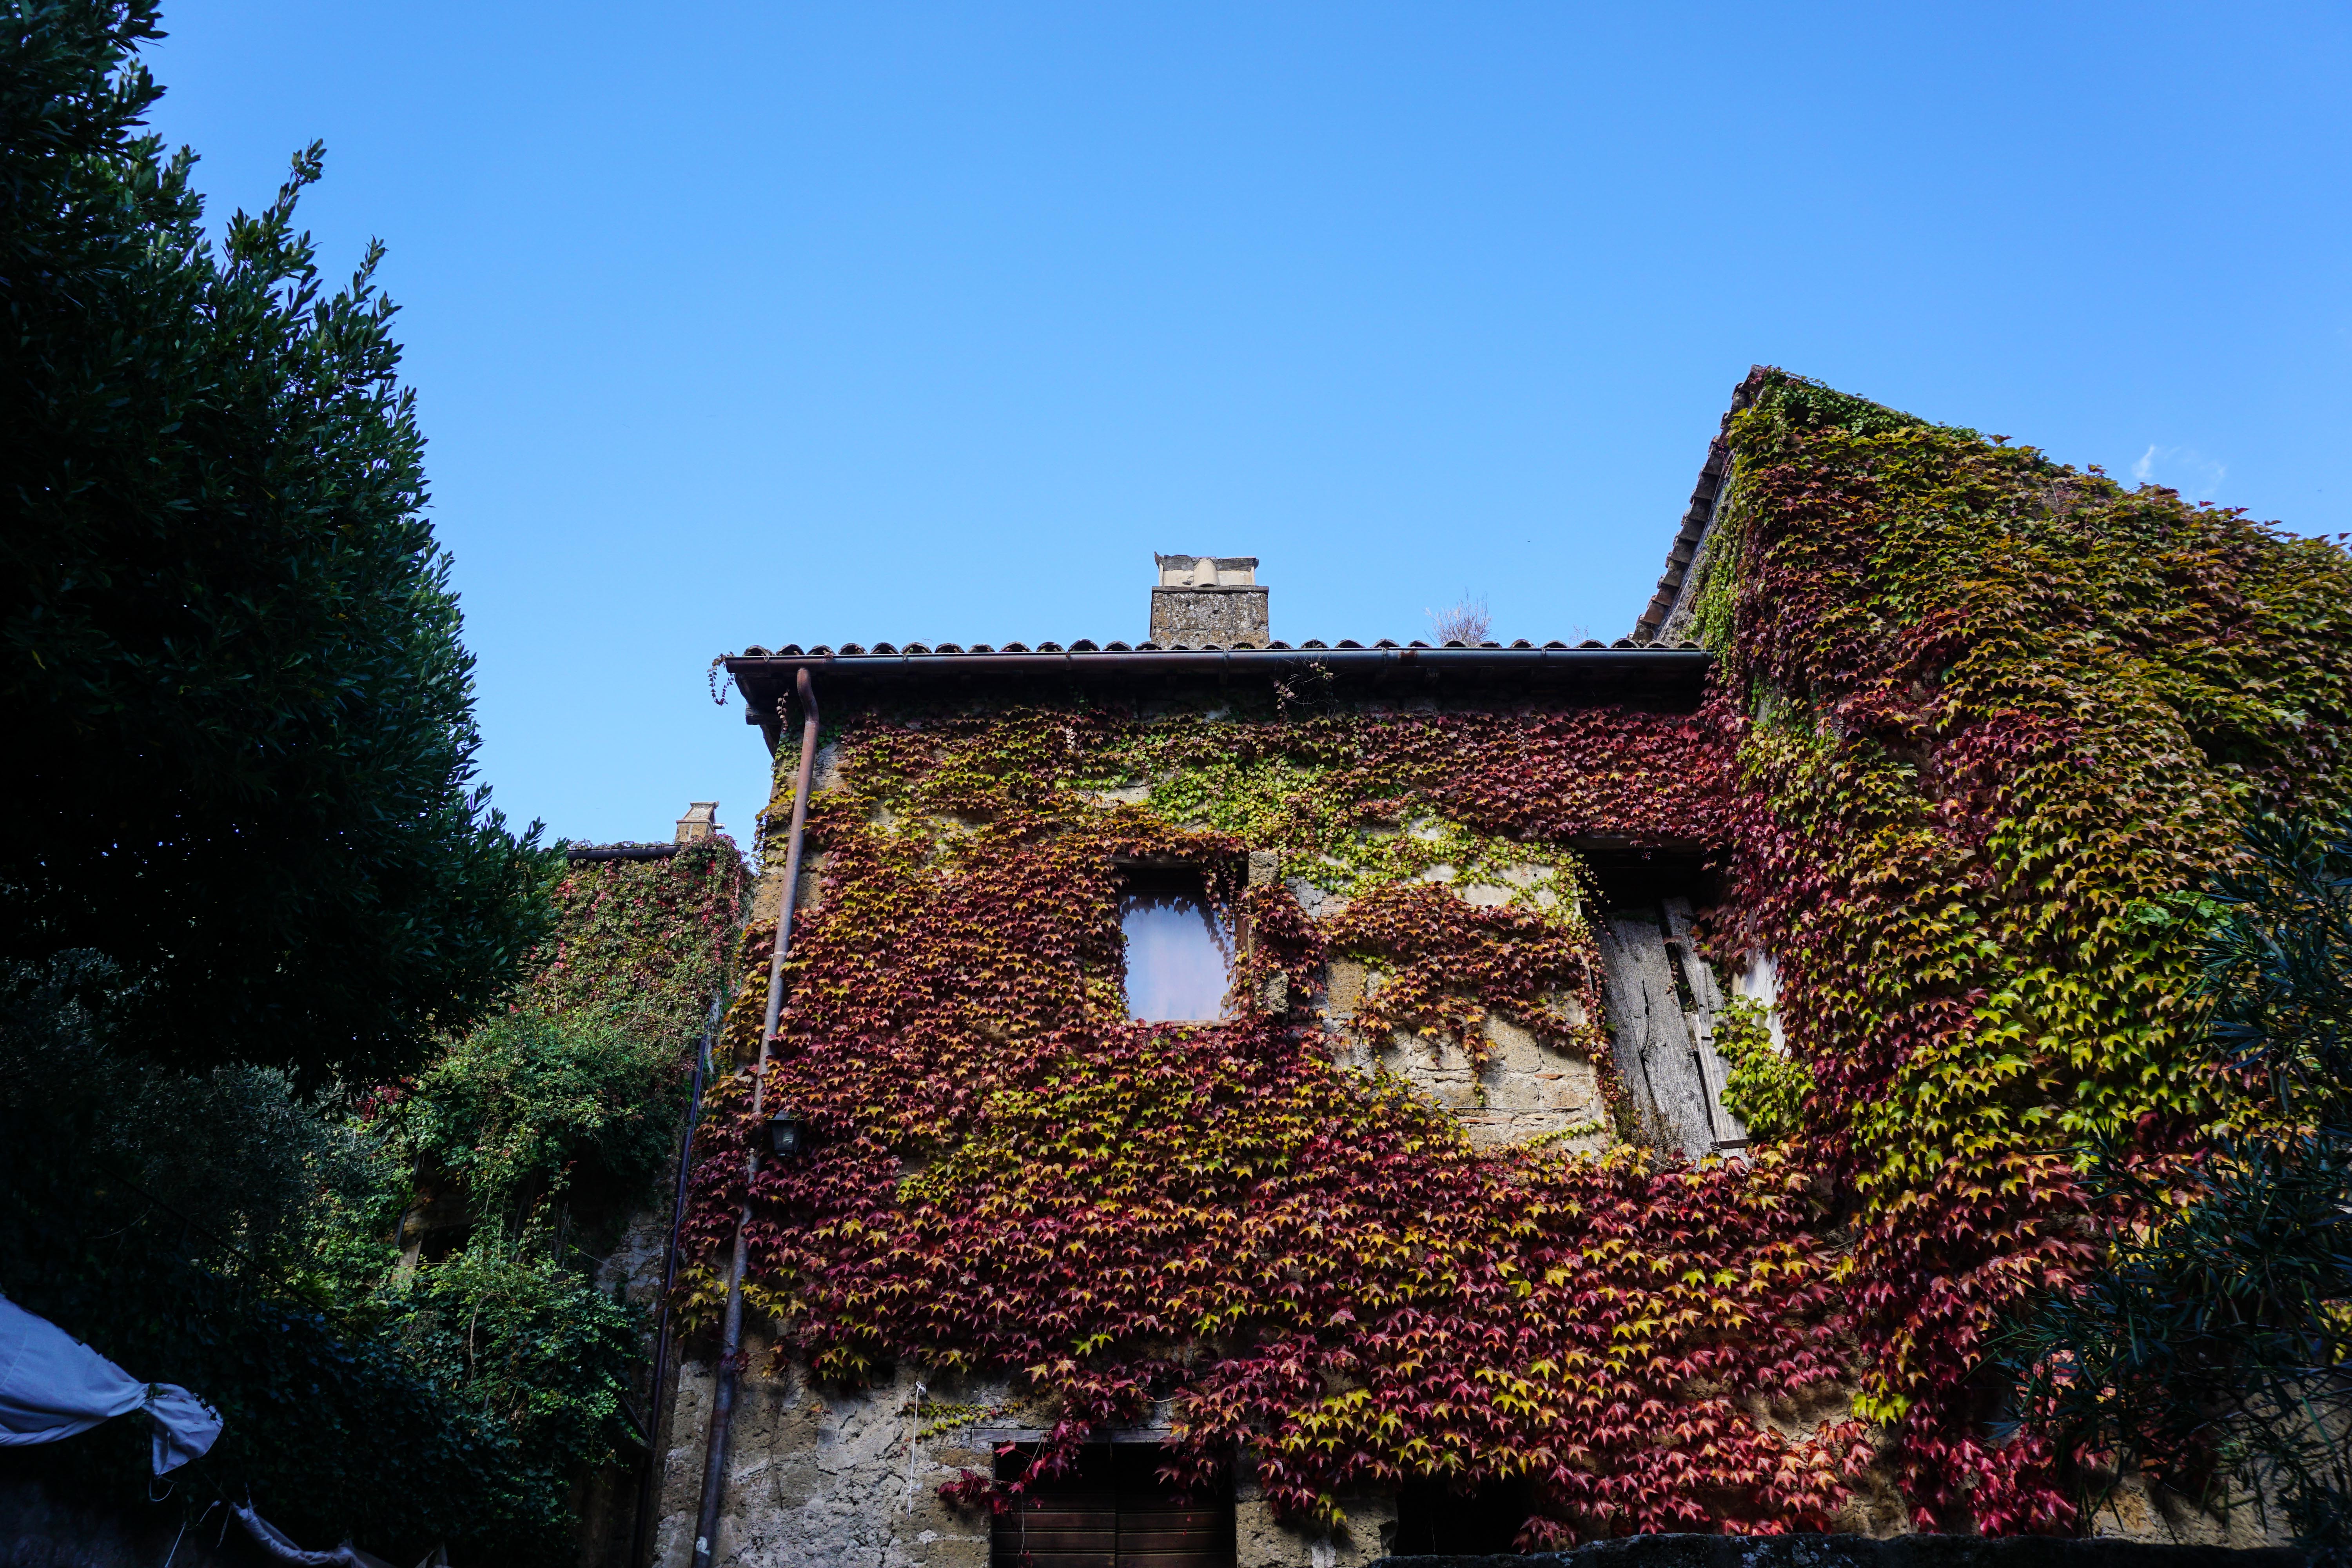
<point>831,1475</point>
<point>1489,914</point>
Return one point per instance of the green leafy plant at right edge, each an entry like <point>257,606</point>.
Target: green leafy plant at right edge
<point>2214,1348</point>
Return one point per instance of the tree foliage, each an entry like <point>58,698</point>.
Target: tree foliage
<point>240,716</point>
<point>247,884</point>
<point>254,1284</point>
<point>529,1105</point>
<point>529,1340</point>
<point>225,1231</point>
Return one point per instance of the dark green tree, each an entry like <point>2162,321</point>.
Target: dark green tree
<point>239,716</point>
<point>175,1221</point>
<point>531,1105</point>
<point>2215,1347</point>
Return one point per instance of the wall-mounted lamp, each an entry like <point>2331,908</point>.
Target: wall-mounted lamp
<point>786,1136</point>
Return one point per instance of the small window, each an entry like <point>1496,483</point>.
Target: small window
<point>1179,954</point>
<point>1110,1509</point>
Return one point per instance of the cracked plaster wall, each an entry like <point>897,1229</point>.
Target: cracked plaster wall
<point>819,1477</point>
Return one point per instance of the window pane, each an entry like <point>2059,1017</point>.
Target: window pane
<point>1179,959</point>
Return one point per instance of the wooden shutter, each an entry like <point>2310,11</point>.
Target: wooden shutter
<point>1112,1512</point>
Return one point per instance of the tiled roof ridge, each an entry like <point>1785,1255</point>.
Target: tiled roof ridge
<point>1698,516</point>
<point>1087,645</point>
<point>625,849</point>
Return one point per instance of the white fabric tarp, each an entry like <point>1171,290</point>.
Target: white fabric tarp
<point>52,1386</point>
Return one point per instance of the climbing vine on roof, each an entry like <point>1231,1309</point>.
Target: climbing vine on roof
<point>645,942</point>
<point>1979,724</point>
<point>1999,720</point>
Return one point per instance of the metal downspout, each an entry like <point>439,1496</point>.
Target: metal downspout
<point>648,1484</point>
<point>731,1341</point>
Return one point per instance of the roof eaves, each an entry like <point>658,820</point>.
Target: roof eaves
<point>578,853</point>
<point>1624,670</point>
<point>882,651</point>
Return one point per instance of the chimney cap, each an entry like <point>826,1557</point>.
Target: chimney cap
<point>1207,570</point>
<point>700,821</point>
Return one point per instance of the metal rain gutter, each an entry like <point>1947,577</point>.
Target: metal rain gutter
<point>1626,672</point>
<point>731,1357</point>
<point>1625,659</point>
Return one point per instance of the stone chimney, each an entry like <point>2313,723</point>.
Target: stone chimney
<point>700,821</point>
<point>1203,599</point>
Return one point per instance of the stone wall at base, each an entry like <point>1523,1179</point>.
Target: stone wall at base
<point>1864,1551</point>
<point>823,1477</point>
<point>817,1478</point>
<point>1262,1541</point>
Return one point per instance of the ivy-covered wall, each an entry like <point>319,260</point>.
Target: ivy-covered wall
<point>1315,1260</point>
<point>1980,723</point>
<point>1997,720</point>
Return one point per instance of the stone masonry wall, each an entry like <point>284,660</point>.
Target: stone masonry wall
<point>1195,617</point>
<point>829,1477</point>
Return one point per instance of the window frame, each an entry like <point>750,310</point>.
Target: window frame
<point>1199,879</point>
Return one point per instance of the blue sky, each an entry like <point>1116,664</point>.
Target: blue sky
<point>783,322</point>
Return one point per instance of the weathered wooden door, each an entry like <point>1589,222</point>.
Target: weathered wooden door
<point>1663,1004</point>
<point>1113,1512</point>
